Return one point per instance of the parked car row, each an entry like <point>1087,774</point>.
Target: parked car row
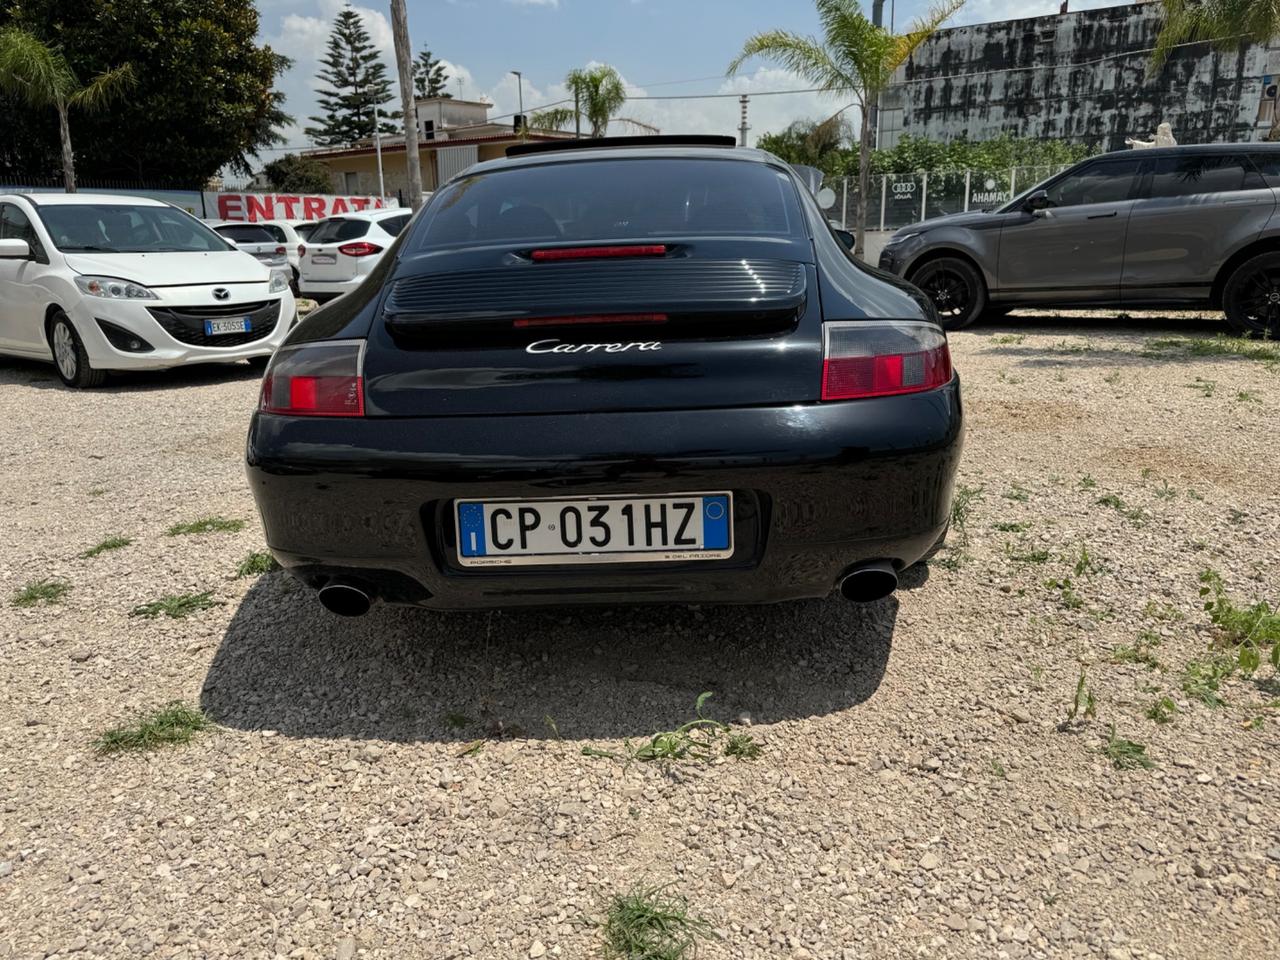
<point>1173,227</point>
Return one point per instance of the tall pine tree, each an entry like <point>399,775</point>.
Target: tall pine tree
<point>429,77</point>
<point>354,86</point>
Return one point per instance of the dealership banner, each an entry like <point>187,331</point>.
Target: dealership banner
<point>287,206</point>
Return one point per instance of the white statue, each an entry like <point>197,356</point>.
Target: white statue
<point>1163,138</point>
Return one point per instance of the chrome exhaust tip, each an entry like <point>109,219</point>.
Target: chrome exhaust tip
<point>345,600</point>
<point>869,582</point>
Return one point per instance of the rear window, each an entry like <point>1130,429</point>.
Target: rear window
<point>339,229</point>
<point>246,234</point>
<point>393,225</point>
<point>614,200</point>
<point>276,231</point>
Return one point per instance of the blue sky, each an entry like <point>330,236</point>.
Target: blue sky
<point>661,48</point>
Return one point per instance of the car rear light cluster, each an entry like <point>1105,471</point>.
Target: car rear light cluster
<point>882,358</point>
<point>302,250</point>
<point>601,252</point>
<point>316,380</point>
<point>360,248</point>
<point>281,249</point>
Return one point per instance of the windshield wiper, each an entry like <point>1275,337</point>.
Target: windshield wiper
<point>89,249</point>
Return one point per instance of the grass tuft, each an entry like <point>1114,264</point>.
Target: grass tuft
<point>1125,754</point>
<point>111,543</point>
<point>742,745</point>
<point>1162,710</point>
<point>176,606</point>
<point>41,591</point>
<point>173,723</point>
<point>961,506</point>
<point>1201,680</point>
<point>205,525</point>
<point>1220,346</point>
<point>1253,631</point>
<point>1012,526</point>
<point>650,923</point>
<point>1083,705</point>
<point>257,563</point>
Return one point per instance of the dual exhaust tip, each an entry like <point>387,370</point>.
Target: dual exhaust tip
<point>865,583</point>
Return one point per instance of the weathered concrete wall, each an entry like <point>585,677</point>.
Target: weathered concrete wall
<point>1069,83</point>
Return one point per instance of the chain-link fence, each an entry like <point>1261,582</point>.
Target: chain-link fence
<point>899,199</point>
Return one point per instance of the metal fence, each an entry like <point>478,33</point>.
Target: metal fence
<point>899,199</point>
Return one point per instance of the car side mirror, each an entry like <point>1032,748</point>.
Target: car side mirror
<point>1037,201</point>
<point>846,237</point>
<point>15,250</point>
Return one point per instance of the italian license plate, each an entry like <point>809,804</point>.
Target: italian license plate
<point>323,258</point>
<point>696,526</point>
<point>230,325</point>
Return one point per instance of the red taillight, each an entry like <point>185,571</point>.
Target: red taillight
<point>598,253</point>
<point>281,249</point>
<point>881,358</point>
<point>315,380</point>
<point>302,250</point>
<point>606,318</point>
<point>361,248</point>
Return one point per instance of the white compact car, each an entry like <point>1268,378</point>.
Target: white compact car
<point>97,283</point>
<point>343,250</point>
<point>291,234</point>
<point>255,240</point>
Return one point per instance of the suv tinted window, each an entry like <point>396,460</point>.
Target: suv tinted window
<point>246,234</point>
<point>338,230</point>
<point>1181,176</point>
<point>1105,182</point>
<point>393,225</point>
<point>614,199</point>
<point>1268,164</point>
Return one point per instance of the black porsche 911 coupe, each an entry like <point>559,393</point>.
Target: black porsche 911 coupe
<point>610,371</point>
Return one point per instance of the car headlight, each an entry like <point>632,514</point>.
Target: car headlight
<point>900,237</point>
<point>279,280</point>
<point>113,288</point>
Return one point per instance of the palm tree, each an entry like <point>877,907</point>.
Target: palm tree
<point>1223,22</point>
<point>854,59</point>
<point>38,73</point>
<point>599,93</point>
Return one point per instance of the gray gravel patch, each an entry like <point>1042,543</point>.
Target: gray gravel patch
<point>413,784</point>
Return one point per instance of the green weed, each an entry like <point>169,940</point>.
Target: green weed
<point>41,591</point>
<point>1220,346</point>
<point>1162,710</point>
<point>205,525</point>
<point>741,745</point>
<point>1125,754</point>
<point>257,563</point>
<point>1086,564</point>
<point>1083,705</point>
<point>961,506</point>
<point>1087,482</point>
<point>1018,493</point>
<point>1253,631</point>
<point>1067,595</point>
<point>1162,611</point>
<point>176,606</point>
<point>111,543</point>
<point>171,724</point>
<point>1012,526</point>
<point>1164,491</point>
<point>1247,396</point>
<point>1206,387</point>
<point>650,923</point>
<point>1008,339</point>
<point>1201,680</point>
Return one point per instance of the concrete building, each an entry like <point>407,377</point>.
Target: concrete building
<point>452,135</point>
<point>1080,76</point>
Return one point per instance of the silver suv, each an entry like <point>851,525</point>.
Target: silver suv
<point>1192,226</point>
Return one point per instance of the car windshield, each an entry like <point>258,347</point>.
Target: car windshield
<point>614,199</point>
<point>121,228</point>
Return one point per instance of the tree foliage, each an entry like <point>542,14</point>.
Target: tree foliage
<point>430,79</point>
<point>813,143</point>
<point>354,87</point>
<point>600,94</point>
<point>297,174</point>
<point>203,99</point>
<point>855,58</point>
<point>1223,22</point>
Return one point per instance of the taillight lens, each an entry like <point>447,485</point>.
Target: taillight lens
<point>601,252</point>
<point>882,358</point>
<point>315,380</point>
<point>281,249</point>
<point>302,250</point>
<point>361,248</point>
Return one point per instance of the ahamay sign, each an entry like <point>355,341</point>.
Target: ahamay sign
<point>288,206</point>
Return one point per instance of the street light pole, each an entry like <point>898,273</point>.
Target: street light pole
<point>520,94</point>
<point>404,67</point>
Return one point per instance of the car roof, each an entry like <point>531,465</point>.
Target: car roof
<point>67,199</point>
<point>594,150</point>
<point>371,215</point>
<point>1192,148</point>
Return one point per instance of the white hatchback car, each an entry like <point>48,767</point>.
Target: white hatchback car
<point>97,283</point>
<point>343,250</point>
<point>255,240</point>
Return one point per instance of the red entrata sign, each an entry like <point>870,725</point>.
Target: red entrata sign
<point>289,206</point>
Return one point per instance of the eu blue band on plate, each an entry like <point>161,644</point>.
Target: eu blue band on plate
<point>471,529</point>
<point>715,523</point>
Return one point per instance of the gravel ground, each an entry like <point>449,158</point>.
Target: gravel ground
<point>914,796</point>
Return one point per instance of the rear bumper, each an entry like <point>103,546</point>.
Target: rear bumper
<point>817,488</point>
<point>326,289</point>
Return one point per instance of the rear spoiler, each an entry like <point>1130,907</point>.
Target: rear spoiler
<point>658,140</point>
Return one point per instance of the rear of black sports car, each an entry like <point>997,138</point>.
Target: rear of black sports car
<point>610,374</point>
